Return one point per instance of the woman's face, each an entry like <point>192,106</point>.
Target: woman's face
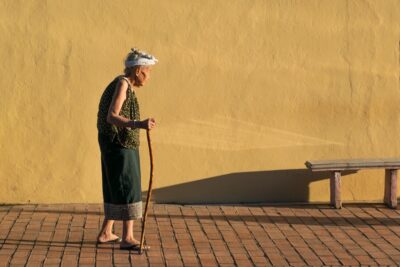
<point>142,75</point>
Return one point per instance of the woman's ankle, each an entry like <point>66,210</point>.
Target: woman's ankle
<point>105,233</point>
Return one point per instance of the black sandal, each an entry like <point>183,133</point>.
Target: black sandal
<point>117,240</point>
<point>135,247</point>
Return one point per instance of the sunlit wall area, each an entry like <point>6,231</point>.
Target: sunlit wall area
<point>243,94</point>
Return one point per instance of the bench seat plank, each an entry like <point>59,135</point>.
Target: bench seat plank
<point>353,164</point>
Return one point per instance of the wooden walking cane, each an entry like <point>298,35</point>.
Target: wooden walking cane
<point>148,192</point>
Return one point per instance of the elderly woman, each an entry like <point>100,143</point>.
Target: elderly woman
<point>118,124</point>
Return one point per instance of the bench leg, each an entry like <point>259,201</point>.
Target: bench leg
<point>336,198</point>
<point>391,188</point>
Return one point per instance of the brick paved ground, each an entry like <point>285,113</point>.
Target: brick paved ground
<point>205,235</point>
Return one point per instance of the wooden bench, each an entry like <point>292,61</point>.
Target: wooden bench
<point>337,166</point>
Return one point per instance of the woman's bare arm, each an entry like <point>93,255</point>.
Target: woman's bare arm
<point>113,116</point>
<point>118,99</point>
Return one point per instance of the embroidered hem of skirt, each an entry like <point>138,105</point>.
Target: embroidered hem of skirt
<point>132,211</point>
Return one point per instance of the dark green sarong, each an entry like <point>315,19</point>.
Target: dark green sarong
<point>121,180</point>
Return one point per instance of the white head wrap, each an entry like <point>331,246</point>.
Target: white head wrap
<point>137,57</point>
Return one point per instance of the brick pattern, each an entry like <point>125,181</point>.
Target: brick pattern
<point>205,235</point>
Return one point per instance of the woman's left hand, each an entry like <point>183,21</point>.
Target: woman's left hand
<point>149,123</point>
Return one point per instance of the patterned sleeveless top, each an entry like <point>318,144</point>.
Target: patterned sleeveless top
<point>126,137</point>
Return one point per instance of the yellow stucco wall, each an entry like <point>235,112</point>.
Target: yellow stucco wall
<point>244,93</point>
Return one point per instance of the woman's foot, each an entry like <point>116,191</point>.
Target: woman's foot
<point>129,242</point>
<point>104,238</point>
<point>132,244</point>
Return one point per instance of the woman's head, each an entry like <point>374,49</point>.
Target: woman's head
<point>138,66</point>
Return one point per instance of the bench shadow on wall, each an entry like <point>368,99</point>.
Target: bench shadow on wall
<point>245,187</point>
